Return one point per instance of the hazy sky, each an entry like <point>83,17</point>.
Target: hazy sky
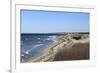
<point>49,22</point>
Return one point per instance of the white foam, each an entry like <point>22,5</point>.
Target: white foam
<point>22,55</point>
<point>48,39</point>
<point>27,52</point>
<point>53,38</point>
<point>38,45</point>
<point>38,38</point>
<point>54,41</point>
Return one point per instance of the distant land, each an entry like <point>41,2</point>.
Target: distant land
<point>57,33</point>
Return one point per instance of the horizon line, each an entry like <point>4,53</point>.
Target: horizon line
<point>53,32</point>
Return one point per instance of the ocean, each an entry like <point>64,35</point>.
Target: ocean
<point>32,45</point>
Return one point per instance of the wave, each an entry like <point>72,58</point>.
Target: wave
<point>38,38</point>
<point>22,54</point>
<point>53,38</point>
<point>27,52</point>
<point>38,45</point>
<point>35,46</point>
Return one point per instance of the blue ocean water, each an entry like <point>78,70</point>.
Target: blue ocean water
<point>32,45</point>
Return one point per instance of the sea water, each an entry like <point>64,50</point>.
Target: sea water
<point>32,45</point>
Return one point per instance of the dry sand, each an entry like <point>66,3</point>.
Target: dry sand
<point>79,51</point>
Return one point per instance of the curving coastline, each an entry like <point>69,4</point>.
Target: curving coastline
<point>68,47</point>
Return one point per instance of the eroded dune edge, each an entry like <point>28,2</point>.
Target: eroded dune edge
<point>72,46</point>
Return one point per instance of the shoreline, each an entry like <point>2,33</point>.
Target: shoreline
<point>63,44</point>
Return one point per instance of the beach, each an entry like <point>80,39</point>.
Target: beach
<point>79,51</point>
<point>67,47</point>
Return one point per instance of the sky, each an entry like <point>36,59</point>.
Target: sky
<point>33,21</point>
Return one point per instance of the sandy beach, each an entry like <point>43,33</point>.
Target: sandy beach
<point>79,51</point>
<point>67,48</point>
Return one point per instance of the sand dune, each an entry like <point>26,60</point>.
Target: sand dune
<point>65,49</point>
<point>79,51</point>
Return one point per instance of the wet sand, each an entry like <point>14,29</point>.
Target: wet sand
<point>79,51</point>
